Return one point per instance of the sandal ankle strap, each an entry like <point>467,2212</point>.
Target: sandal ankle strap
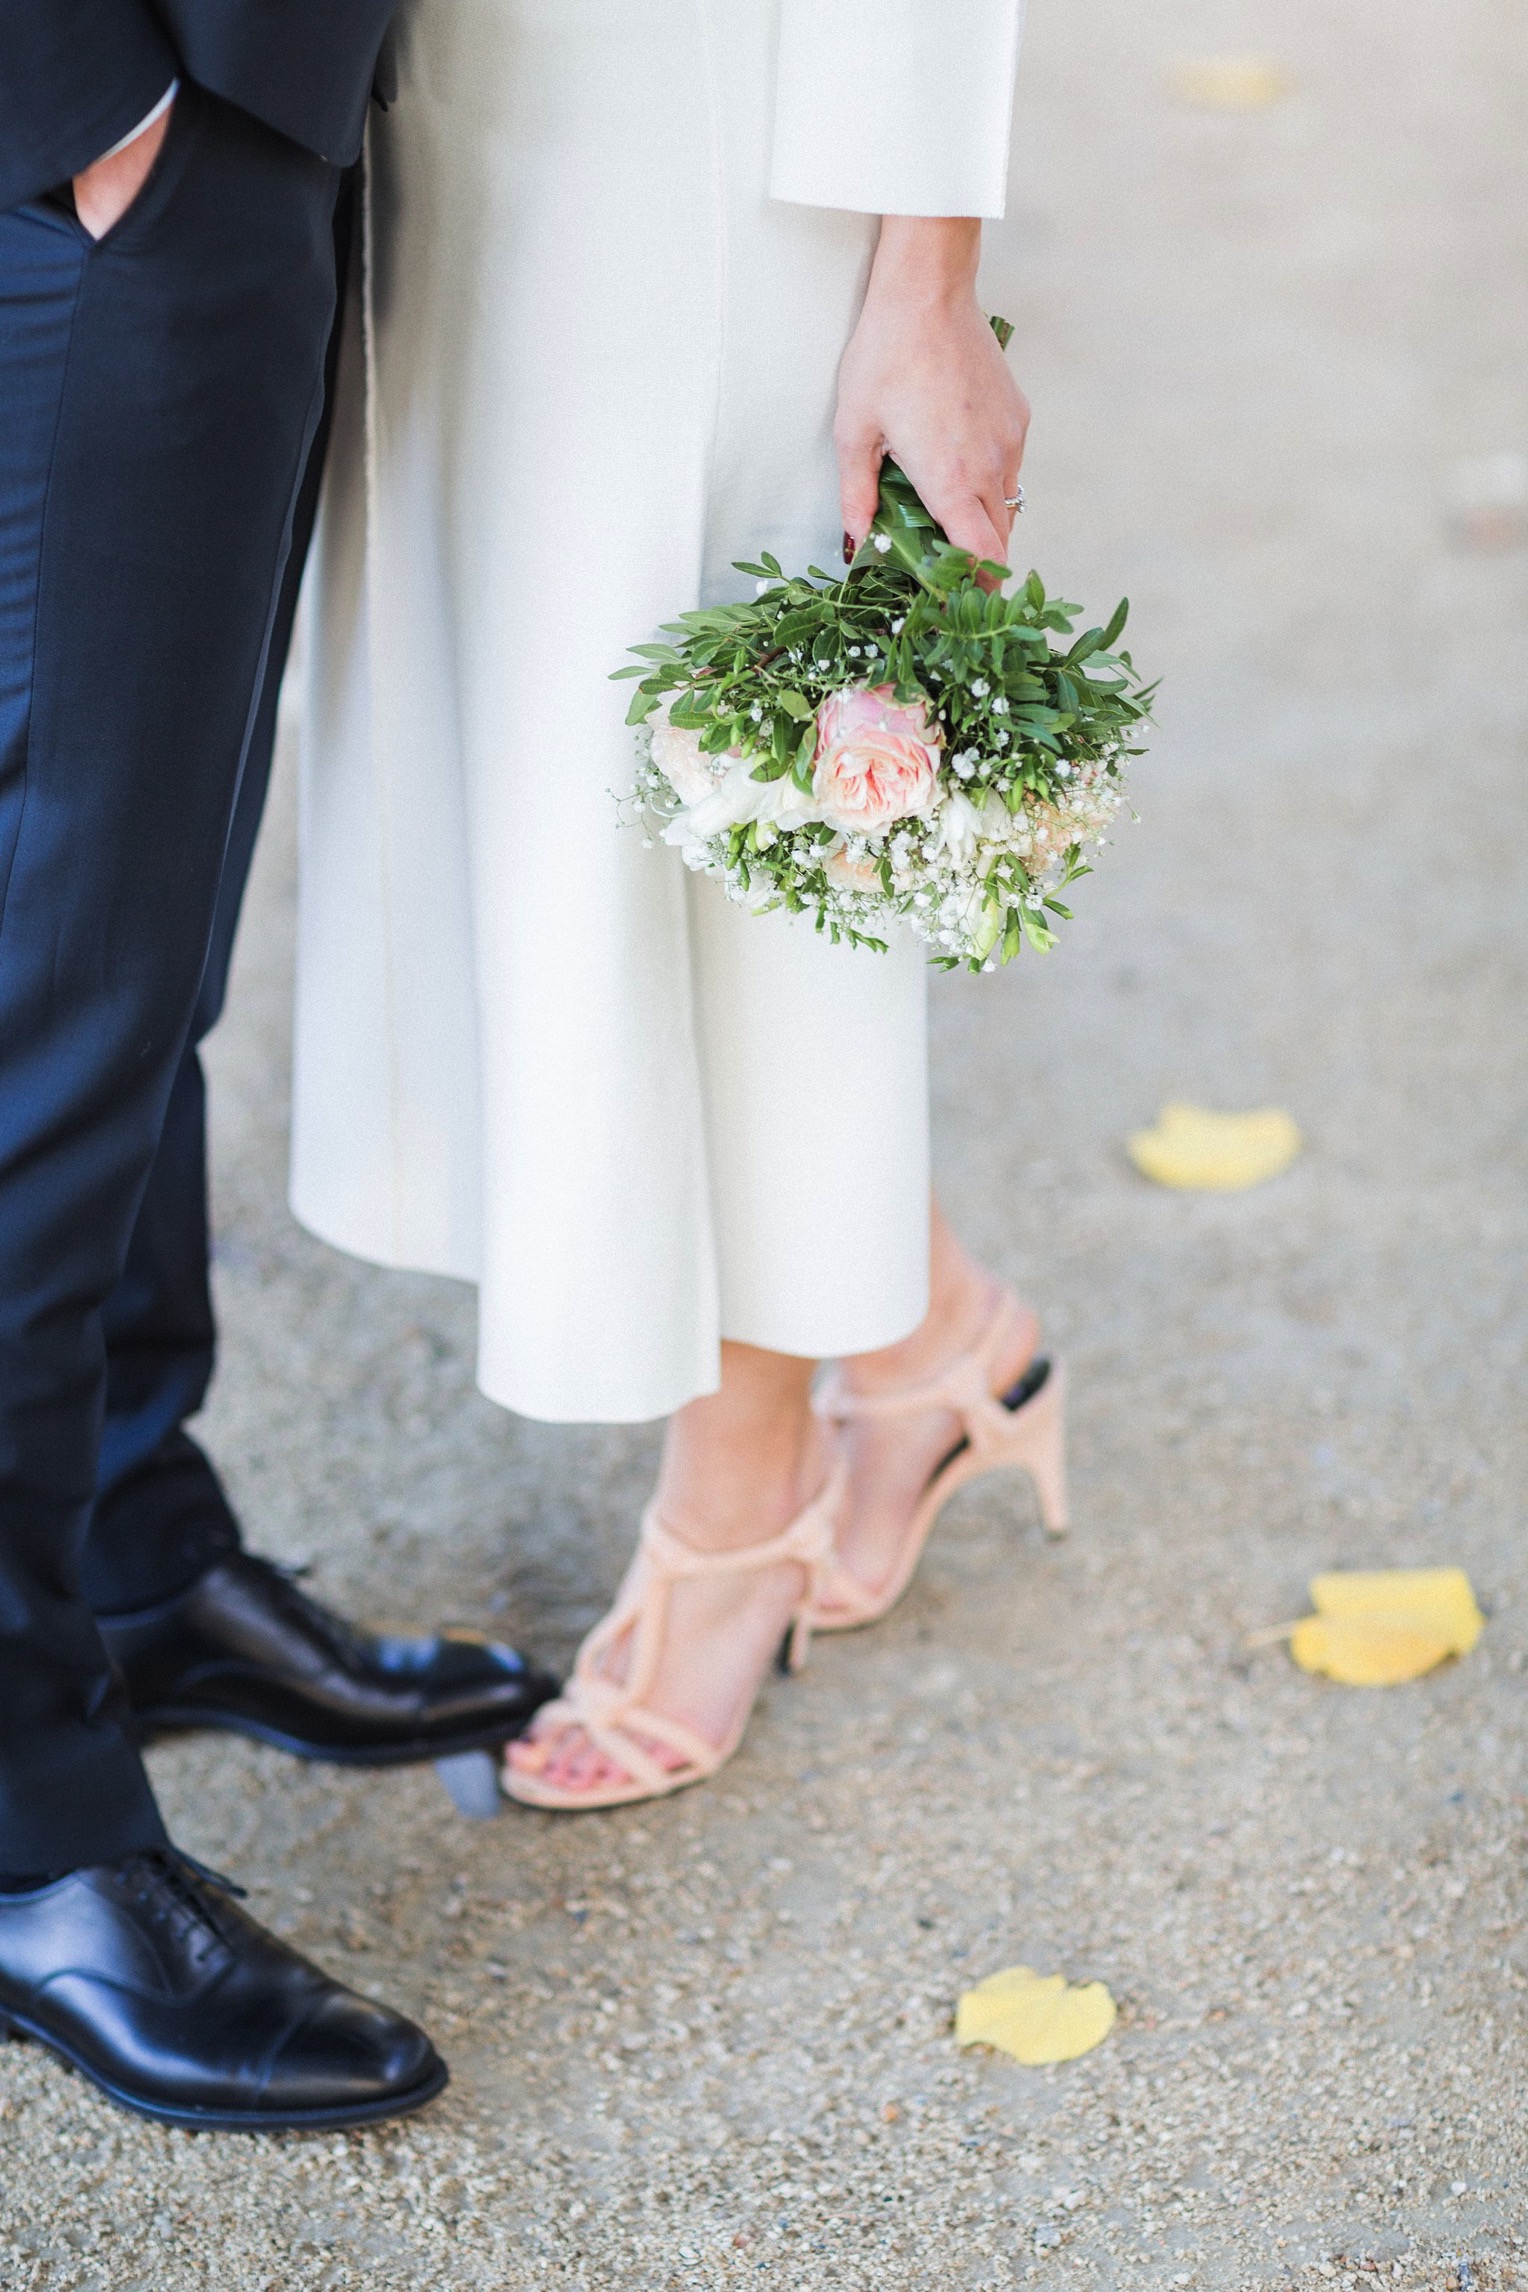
<point>964,1384</point>
<point>808,1540</point>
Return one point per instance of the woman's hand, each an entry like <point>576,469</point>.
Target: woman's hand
<point>103,194</point>
<point>923,379</point>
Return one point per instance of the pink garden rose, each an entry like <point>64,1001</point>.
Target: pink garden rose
<point>851,874</point>
<point>877,759</point>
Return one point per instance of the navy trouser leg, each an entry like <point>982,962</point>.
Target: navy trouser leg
<point>161,390</point>
<point>160,1516</point>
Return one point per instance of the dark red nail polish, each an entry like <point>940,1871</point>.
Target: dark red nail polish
<point>848,549</point>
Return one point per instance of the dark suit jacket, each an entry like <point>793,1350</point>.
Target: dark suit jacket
<point>76,75</point>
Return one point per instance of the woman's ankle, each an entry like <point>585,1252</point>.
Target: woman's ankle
<point>739,1464</point>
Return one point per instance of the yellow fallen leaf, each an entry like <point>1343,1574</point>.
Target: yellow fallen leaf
<point>1194,1148</point>
<point>1228,83</point>
<point>1361,1652</point>
<point>1440,1601</point>
<point>1035,2017</point>
<point>1379,1627</point>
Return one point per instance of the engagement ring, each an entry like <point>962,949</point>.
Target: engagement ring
<point>1015,501</point>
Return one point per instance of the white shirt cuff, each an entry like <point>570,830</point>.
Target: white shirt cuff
<point>896,107</point>
<point>144,124</point>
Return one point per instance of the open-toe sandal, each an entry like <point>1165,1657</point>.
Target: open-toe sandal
<point>613,1714</point>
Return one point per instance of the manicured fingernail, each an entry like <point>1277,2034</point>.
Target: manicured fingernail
<point>848,549</point>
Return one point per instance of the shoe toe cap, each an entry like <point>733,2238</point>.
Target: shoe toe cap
<point>347,2053</point>
<point>456,1660</point>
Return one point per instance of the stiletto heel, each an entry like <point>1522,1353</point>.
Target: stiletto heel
<point>1038,1445</point>
<point>612,1713</point>
<point>1023,1426</point>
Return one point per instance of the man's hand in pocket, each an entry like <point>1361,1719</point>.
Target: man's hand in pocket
<point>103,194</point>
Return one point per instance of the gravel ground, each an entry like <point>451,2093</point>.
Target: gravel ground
<point>708,2044</point>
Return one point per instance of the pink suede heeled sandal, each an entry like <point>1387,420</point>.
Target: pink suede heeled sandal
<point>1023,1426</point>
<point>612,1713</point>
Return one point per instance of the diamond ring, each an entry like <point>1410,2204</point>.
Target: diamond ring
<point>1015,500</point>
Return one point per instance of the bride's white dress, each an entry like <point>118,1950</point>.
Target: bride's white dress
<point>613,251</point>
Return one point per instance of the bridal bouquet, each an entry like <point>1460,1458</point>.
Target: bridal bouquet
<point>898,742</point>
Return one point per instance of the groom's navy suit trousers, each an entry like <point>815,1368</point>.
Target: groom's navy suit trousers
<point>160,1516</point>
<point>161,391</point>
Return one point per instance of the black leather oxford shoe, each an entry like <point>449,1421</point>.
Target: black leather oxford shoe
<point>152,1982</point>
<point>244,1648</point>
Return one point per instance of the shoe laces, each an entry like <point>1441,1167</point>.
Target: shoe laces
<point>340,1637</point>
<point>178,1891</point>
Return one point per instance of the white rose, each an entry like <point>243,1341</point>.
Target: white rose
<point>960,827</point>
<point>729,803</point>
<point>785,805</point>
<point>677,754</point>
<point>998,822</point>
